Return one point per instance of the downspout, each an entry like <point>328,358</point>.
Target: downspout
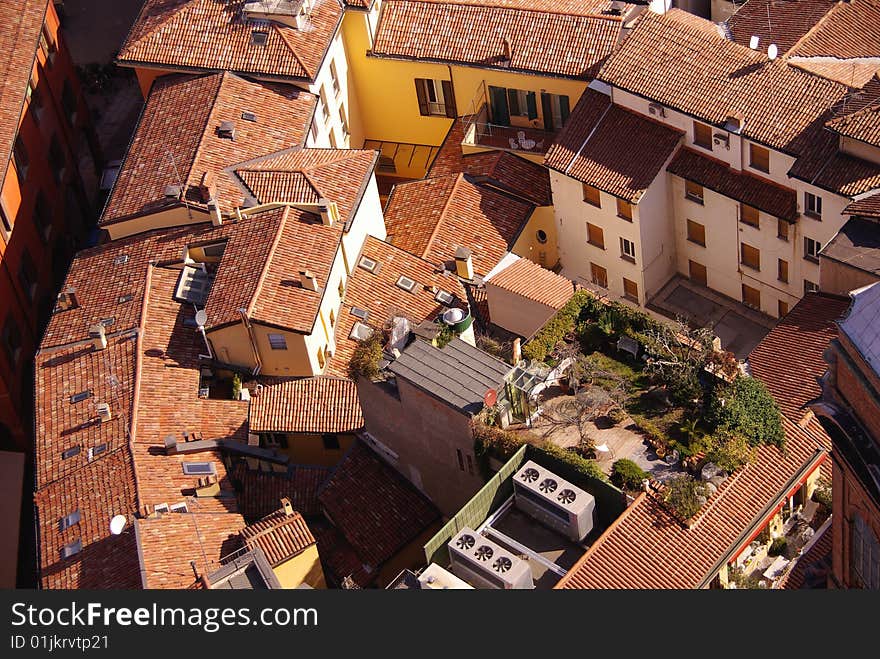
<point>250,332</point>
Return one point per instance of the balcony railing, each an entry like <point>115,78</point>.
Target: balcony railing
<point>479,131</point>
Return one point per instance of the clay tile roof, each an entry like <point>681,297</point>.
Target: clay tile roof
<point>539,40</point>
<point>782,23</point>
<point>279,535</point>
<point>177,141</point>
<point>375,508</point>
<point>863,125</point>
<point>169,541</point>
<point>715,175</point>
<point>502,169</point>
<point>312,405</point>
<point>207,35</point>
<point>867,206</point>
<point>433,217</point>
<point>23,22</point>
<point>683,61</point>
<point>260,491</point>
<point>378,294</point>
<point>533,282</point>
<point>618,151</point>
<point>789,359</point>
<point>825,166</point>
<point>849,30</point>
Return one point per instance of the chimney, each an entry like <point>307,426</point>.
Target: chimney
<point>308,280</point>
<point>329,212</point>
<point>104,412</point>
<point>170,445</point>
<point>505,50</point>
<point>226,130</point>
<point>517,350</point>
<point>208,487</point>
<point>207,187</point>
<point>214,209</point>
<point>734,122</point>
<point>172,191</point>
<point>98,335</point>
<point>67,299</point>
<point>288,507</point>
<point>464,266</point>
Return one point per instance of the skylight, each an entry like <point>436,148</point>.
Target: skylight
<point>368,264</point>
<point>199,468</point>
<point>360,332</point>
<point>406,283</point>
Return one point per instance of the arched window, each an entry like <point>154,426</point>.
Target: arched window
<point>865,555</point>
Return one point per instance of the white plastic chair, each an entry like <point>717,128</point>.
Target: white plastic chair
<point>513,143</point>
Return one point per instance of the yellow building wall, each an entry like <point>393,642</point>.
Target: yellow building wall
<point>529,247</point>
<point>410,557</point>
<point>232,345</point>
<point>146,76</point>
<point>308,449</point>
<point>305,567</point>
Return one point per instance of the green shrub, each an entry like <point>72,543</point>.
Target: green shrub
<point>445,335</point>
<point>627,474</point>
<point>650,428</point>
<point>778,546</point>
<point>749,410</point>
<point>583,465</point>
<point>822,493</point>
<point>367,355</point>
<point>557,328</point>
<point>685,496</point>
<point>617,415</point>
<point>236,386</point>
<point>729,451</point>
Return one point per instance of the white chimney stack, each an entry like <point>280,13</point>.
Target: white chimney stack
<point>98,335</point>
<point>329,212</point>
<point>104,412</point>
<point>308,280</point>
<point>214,209</point>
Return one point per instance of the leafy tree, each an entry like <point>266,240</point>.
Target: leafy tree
<point>677,356</point>
<point>367,355</point>
<point>747,408</point>
<point>685,496</point>
<point>728,450</point>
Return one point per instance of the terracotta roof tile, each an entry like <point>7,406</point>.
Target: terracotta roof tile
<point>827,167</point>
<point>279,535</point>
<point>433,217</point>
<point>260,492</point>
<point>208,35</point>
<point>759,193</point>
<point>539,41</point>
<point>377,293</point>
<point>606,146</point>
<point>849,30</point>
<point>169,541</point>
<point>339,558</point>
<point>23,21</point>
<point>851,72</point>
<point>312,405</point>
<point>177,140</point>
<point>863,125</point>
<point>375,508</point>
<point>867,206</point>
<point>782,23</point>
<point>533,282</point>
<point>683,61</point>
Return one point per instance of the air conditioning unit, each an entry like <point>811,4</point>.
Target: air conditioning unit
<point>721,139</point>
<point>554,502</point>
<point>656,110</point>
<point>485,564</point>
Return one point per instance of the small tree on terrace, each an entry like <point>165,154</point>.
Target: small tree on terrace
<point>677,355</point>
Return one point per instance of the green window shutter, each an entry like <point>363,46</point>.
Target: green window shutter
<point>449,99</point>
<point>563,108</point>
<point>422,95</point>
<point>532,105</point>
<point>547,110</point>
<point>513,102</point>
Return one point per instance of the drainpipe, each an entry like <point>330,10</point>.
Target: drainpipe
<point>253,341</point>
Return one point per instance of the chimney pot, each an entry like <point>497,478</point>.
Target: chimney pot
<point>98,335</point>
<point>104,412</point>
<point>464,265</point>
<point>308,280</point>
<point>288,507</point>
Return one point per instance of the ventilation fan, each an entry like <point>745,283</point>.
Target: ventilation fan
<point>466,542</point>
<point>503,564</point>
<point>529,475</point>
<point>566,496</point>
<point>548,485</point>
<point>484,553</point>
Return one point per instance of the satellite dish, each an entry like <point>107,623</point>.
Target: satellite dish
<point>772,51</point>
<point>490,397</point>
<point>201,317</point>
<point>452,316</point>
<point>753,42</point>
<point>117,524</point>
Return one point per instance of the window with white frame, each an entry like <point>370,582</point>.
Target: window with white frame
<point>812,205</point>
<point>627,249</point>
<point>812,249</point>
<point>335,76</point>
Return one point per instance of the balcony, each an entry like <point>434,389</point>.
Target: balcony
<point>480,133</point>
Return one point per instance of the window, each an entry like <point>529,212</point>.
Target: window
<point>435,98</point>
<point>57,161</point>
<point>810,287</point>
<point>696,233</point>
<point>332,318</point>
<point>42,219</point>
<point>332,140</point>
<point>782,230</point>
<point>5,224</point>
<point>341,288</point>
<point>703,135</point>
<point>178,507</point>
<point>20,157</point>
<point>749,215</point>
<point>624,210</point>
<point>325,109</point>
<point>97,450</point>
<point>591,195</point>
<point>627,249</point>
<point>541,236</point>
<point>368,264</point>
<point>598,275</point>
<point>199,468</point>
<point>259,37</point>
<point>321,358</point>
<point>27,275</point>
<point>697,273</point>
<point>750,256</point>
<point>751,297</point>
<point>47,41</point>
<point>11,339</point>
<point>693,191</point>
<point>330,441</point>
<point>71,548</point>
<point>406,283</point>
<point>811,249</point>
<point>522,103</point>
<point>864,555</point>
<point>813,205</point>
<point>161,508</point>
<point>595,236</point>
<point>460,457</point>
<point>71,519</point>
<point>782,308</point>
<point>68,102</point>
<point>335,76</point>
<point>782,269</point>
<point>277,341</point>
<point>80,396</point>
<point>759,158</point>
<point>71,452</point>
<point>630,290</point>
<point>314,131</point>
<point>342,121</point>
